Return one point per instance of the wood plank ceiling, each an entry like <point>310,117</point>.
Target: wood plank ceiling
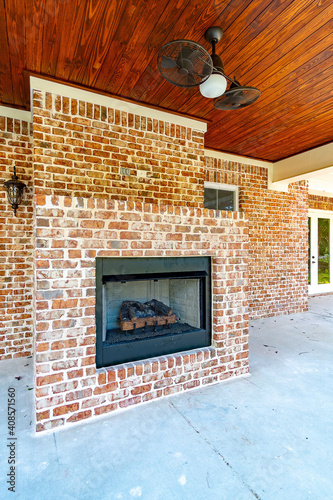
<point>283,47</point>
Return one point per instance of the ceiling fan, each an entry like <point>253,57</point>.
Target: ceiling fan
<point>185,63</point>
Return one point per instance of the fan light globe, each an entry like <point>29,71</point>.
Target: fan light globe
<point>214,86</point>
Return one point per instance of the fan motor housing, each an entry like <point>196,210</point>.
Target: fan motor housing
<point>217,62</point>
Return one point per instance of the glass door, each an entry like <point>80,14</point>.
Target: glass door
<point>320,252</point>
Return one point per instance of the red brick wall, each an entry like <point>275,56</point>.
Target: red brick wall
<point>16,244</point>
<point>320,202</point>
<point>71,232</point>
<point>80,149</point>
<point>278,244</point>
<point>87,207</point>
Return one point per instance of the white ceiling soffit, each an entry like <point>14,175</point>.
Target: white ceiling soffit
<point>300,166</point>
<point>315,166</point>
<point>322,183</point>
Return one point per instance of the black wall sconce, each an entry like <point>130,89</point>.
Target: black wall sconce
<point>14,191</point>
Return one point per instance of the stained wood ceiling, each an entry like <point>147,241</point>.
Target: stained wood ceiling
<point>283,47</point>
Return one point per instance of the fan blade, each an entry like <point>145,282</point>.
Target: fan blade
<point>168,62</point>
<point>205,61</point>
<point>235,101</point>
<point>238,99</point>
<point>191,80</point>
<point>186,54</point>
<point>183,57</point>
<point>193,55</point>
<point>207,70</point>
<point>224,103</point>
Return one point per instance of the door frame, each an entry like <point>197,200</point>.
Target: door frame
<point>314,287</point>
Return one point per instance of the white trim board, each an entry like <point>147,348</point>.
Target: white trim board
<point>211,153</point>
<point>16,114</point>
<point>317,192</point>
<point>317,211</point>
<point>110,102</point>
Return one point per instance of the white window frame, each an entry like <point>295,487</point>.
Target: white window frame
<point>225,187</point>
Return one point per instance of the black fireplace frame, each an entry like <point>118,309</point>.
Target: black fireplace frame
<point>119,269</point>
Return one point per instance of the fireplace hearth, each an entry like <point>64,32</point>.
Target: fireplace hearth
<point>148,307</point>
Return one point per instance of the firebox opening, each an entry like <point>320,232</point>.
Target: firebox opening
<point>149,307</point>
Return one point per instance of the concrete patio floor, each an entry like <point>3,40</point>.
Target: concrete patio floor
<point>266,436</point>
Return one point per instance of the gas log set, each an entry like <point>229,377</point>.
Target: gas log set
<point>134,314</point>
<point>145,320</point>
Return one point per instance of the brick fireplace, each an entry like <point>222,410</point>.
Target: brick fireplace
<point>112,184</point>
<point>69,387</point>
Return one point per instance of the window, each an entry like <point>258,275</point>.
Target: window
<point>221,196</point>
